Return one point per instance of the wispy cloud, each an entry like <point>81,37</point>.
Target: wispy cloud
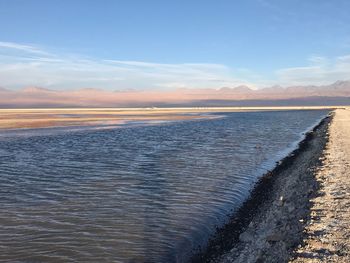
<point>25,48</point>
<point>24,65</point>
<point>319,71</point>
<point>28,65</point>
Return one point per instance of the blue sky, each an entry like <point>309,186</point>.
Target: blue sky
<point>151,44</point>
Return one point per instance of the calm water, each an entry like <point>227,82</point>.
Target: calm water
<point>134,194</point>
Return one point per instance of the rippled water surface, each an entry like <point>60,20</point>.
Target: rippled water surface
<point>134,194</point>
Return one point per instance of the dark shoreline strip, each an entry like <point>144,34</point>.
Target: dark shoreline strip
<point>227,236</point>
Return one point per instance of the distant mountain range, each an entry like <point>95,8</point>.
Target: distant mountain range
<point>337,93</point>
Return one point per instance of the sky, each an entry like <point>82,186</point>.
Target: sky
<point>159,45</point>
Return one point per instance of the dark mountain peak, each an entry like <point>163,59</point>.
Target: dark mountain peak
<point>340,84</point>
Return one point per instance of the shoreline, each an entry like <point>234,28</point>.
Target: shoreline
<point>258,218</point>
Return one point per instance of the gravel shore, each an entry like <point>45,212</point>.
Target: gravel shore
<point>327,233</point>
<point>281,220</point>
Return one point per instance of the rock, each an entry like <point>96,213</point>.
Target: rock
<point>246,237</point>
<point>281,200</point>
<point>274,237</point>
<point>290,208</point>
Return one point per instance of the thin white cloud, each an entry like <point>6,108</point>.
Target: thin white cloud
<point>26,65</point>
<point>320,71</point>
<point>58,71</point>
<point>344,59</point>
<point>318,60</point>
<point>166,65</point>
<point>24,48</point>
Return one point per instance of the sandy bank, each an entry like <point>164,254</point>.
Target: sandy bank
<point>270,225</point>
<point>19,119</point>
